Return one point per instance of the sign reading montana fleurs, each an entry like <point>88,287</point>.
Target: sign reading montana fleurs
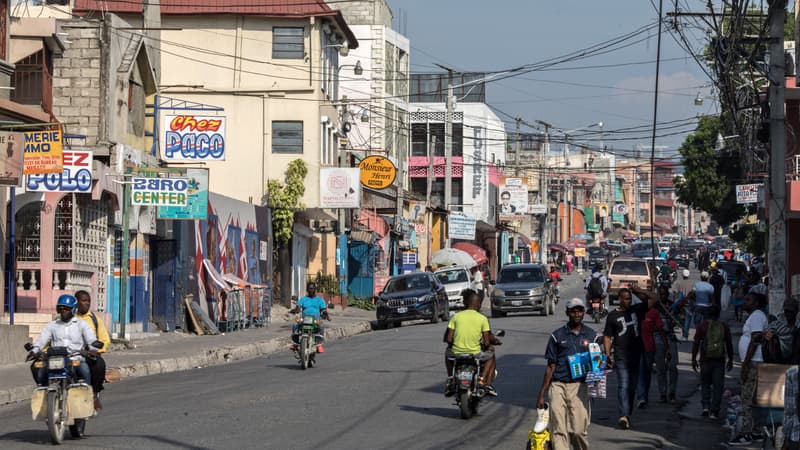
<point>377,172</point>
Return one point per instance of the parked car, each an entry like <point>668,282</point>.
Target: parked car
<point>412,296</point>
<point>522,288</point>
<point>455,280</point>
<point>731,267</point>
<point>625,272</point>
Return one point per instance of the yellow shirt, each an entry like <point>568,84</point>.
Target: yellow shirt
<point>100,331</point>
<point>468,327</point>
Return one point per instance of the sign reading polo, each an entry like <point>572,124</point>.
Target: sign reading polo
<point>377,172</point>
<point>76,177</point>
<point>193,138</point>
<point>159,191</point>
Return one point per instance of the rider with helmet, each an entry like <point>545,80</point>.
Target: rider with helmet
<point>595,289</point>
<point>67,331</point>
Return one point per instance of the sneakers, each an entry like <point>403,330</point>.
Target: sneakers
<point>756,437</point>
<point>713,416</point>
<point>624,422</point>
<point>741,439</point>
<point>664,398</point>
<point>97,405</point>
<point>450,387</point>
<point>705,412</point>
<point>542,419</point>
<point>672,398</point>
<point>641,404</point>
<point>490,390</point>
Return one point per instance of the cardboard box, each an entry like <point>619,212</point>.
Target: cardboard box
<point>770,385</point>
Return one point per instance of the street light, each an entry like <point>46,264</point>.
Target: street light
<point>566,138</point>
<point>358,69</point>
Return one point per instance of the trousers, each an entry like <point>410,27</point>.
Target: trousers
<point>570,414</point>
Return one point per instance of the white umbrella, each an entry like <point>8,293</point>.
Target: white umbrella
<point>452,257</point>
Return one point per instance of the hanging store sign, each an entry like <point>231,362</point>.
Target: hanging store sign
<point>11,160</point>
<point>193,138</point>
<point>76,177</point>
<point>159,191</point>
<point>339,187</point>
<point>377,172</point>
<point>747,193</point>
<point>43,152</point>
<point>197,196</point>
<point>461,227</point>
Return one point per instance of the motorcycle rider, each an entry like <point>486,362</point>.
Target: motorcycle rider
<point>555,277</point>
<point>593,290</point>
<point>66,331</point>
<point>312,305</point>
<point>97,365</point>
<point>468,332</point>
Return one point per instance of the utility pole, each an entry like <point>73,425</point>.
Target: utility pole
<point>429,219</point>
<point>448,151</point>
<point>637,199</point>
<point>543,190</point>
<point>776,253</point>
<point>517,147</point>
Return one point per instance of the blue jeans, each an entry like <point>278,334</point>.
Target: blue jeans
<point>627,375</point>
<point>80,372</point>
<point>645,375</point>
<point>667,370</point>
<point>712,381</point>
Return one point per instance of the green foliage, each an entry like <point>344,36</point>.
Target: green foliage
<point>326,283</point>
<point>751,240</point>
<point>285,199</point>
<point>707,179</point>
<point>360,303</point>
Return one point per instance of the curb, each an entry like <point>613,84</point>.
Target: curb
<point>213,357</point>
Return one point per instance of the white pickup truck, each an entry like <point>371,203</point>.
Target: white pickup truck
<point>455,279</point>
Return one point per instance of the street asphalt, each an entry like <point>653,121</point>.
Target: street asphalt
<point>379,390</point>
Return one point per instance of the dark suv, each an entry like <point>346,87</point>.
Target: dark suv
<point>412,296</point>
<point>522,288</point>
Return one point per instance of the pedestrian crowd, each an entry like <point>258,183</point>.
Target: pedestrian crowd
<point>640,336</point>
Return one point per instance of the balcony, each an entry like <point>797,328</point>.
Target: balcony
<point>33,81</point>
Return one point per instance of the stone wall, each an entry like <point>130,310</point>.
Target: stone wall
<point>12,338</point>
<point>365,12</point>
<point>76,82</point>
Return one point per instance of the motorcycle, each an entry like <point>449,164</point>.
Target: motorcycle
<point>599,310</point>
<point>466,374</point>
<point>306,348</point>
<point>65,402</point>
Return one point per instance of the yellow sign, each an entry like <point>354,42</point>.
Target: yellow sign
<point>580,251</point>
<point>377,172</point>
<point>42,152</point>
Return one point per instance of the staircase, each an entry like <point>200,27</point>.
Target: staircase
<point>34,321</point>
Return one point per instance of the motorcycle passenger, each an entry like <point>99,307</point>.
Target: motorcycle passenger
<point>97,365</point>
<point>595,289</point>
<point>66,331</point>
<point>468,332</point>
<point>310,305</point>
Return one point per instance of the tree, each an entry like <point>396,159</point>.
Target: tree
<point>707,181</point>
<point>285,199</point>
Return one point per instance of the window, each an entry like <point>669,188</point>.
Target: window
<point>287,136</point>
<point>644,198</point>
<point>29,226</point>
<point>521,276</point>
<point>62,250</point>
<point>288,43</point>
<point>629,268</point>
<point>391,55</point>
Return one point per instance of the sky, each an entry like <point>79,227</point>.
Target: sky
<point>480,35</point>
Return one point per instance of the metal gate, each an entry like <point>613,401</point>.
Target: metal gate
<point>361,269</point>
<point>164,288</point>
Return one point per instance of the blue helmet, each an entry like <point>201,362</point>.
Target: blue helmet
<point>67,300</point>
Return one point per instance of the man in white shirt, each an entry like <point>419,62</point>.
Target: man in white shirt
<point>750,354</point>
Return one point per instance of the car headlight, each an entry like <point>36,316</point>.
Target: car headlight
<point>537,291</point>
<point>425,299</point>
<point>498,293</point>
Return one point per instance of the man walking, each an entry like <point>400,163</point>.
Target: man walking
<point>652,323</point>
<point>97,365</point>
<point>623,329</point>
<point>713,341</point>
<point>704,295</point>
<point>570,411</point>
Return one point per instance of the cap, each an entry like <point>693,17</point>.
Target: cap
<point>575,303</point>
<point>685,273</point>
<point>790,304</point>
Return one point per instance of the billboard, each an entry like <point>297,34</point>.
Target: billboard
<point>11,160</point>
<point>513,197</point>
<point>461,227</point>
<point>76,177</point>
<point>339,187</point>
<point>193,138</point>
<point>43,152</point>
<point>747,193</point>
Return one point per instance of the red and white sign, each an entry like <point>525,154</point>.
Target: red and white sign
<point>76,176</point>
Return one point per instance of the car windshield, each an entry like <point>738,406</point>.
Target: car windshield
<point>452,276</point>
<point>731,267</point>
<point>409,283</point>
<point>629,268</point>
<point>594,251</point>
<point>521,276</point>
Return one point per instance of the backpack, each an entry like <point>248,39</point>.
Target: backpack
<point>595,288</point>
<point>715,340</point>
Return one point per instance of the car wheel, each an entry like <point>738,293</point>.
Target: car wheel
<point>446,313</point>
<point>396,324</point>
<point>383,325</point>
<point>552,306</point>
<point>435,316</point>
<point>496,313</point>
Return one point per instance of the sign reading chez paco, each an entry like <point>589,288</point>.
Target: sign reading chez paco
<point>377,172</point>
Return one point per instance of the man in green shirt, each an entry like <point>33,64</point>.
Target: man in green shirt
<point>469,333</point>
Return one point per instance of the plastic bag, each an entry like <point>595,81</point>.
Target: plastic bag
<point>725,297</point>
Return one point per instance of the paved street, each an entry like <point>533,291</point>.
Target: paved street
<point>378,390</point>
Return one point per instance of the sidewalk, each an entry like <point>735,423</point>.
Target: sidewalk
<point>171,352</point>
